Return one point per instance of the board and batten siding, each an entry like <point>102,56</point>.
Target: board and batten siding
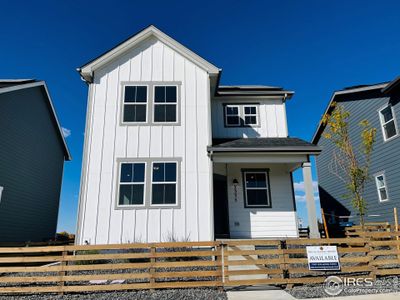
<point>106,140</point>
<point>279,220</point>
<point>271,114</point>
<point>384,158</point>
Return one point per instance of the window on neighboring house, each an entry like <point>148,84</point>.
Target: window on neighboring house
<point>256,189</point>
<point>388,123</point>
<point>132,184</point>
<point>135,104</point>
<point>381,187</point>
<point>164,183</point>
<point>232,115</point>
<point>165,103</point>
<point>250,115</point>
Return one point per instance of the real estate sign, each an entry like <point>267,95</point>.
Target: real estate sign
<point>323,258</point>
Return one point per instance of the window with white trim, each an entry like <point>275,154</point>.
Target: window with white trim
<point>135,104</point>
<point>232,115</point>
<point>256,189</point>
<point>164,183</point>
<point>132,183</point>
<point>388,123</point>
<point>165,103</point>
<point>381,187</point>
<point>250,115</point>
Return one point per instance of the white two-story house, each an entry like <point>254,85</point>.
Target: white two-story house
<point>171,154</point>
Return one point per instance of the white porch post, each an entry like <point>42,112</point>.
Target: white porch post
<point>311,211</point>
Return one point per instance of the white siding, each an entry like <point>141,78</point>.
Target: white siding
<point>275,222</point>
<point>108,140</point>
<point>271,113</point>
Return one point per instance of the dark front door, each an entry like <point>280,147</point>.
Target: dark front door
<point>221,215</point>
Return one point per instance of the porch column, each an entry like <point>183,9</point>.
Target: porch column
<point>311,211</point>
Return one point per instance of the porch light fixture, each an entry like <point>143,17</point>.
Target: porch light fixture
<point>235,184</point>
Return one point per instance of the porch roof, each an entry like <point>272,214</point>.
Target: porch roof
<point>270,145</point>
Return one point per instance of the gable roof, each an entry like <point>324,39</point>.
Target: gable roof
<point>87,69</point>
<point>381,88</point>
<point>11,85</point>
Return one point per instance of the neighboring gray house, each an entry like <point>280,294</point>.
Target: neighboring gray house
<point>32,155</point>
<point>378,103</point>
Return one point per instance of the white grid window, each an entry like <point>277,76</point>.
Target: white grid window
<point>256,189</point>
<point>388,123</point>
<point>135,104</point>
<point>250,115</point>
<point>164,183</point>
<point>232,115</point>
<point>165,104</point>
<point>381,187</point>
<point>132,184</point>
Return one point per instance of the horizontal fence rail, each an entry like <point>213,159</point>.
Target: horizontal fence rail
<point>226,263</point>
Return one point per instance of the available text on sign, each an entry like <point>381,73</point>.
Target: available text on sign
<point>323,258</point>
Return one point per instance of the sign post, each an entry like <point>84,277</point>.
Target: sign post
<point>323,258</point>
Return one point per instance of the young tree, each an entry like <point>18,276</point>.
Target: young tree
<point>349,164</point>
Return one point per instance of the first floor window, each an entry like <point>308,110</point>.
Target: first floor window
<point>232,115</point>
<point>250,115</point>
<point>165,103</point>
<point>164,183</point>
<point>256,189</point>
<point>381,187</point>
<point>388,123</point>
<point>135,104</point>
<point>131,184</point>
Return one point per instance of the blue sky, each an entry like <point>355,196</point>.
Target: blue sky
<point>311,47</point>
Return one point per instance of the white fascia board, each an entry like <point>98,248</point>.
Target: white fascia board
<point>88,69</point>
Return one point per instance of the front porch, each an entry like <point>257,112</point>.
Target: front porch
<point>253,189</point>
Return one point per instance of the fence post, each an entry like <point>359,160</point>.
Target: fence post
<point>220,249</point>
<point>152,267</point>
<point>284,267</point>
<point>396,228</point>
<point>62,273</point>
<point>371,257</point>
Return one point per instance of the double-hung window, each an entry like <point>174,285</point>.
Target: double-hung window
<point>132,184</point>
<point>165,104</point>
<point>135,104</point>
<point>250,114</point>
<point>232,115</point>
<point>164,183</point>
<point>388,123</point>
<point>381,187</point>
<point>256,188</point>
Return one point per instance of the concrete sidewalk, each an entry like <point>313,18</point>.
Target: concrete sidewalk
<point>278,294</point>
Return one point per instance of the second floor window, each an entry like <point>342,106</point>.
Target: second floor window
<point>135,104</point>
<point>381,187</point>
<point>131,184</point>
<point>241,115</point>
<point>165,103</point>
<point>388,123</point>
<point>164,183</point>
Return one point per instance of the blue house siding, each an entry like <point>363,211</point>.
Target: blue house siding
<point>31,166</point>
<point>384,159</point>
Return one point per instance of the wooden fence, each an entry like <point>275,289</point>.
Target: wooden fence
<point>61,269</point>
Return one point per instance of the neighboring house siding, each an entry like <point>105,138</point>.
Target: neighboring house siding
<point>99,221</point>
<point>31,167</point>
<point>384,158</point>
<point>271,114</point>
<point>277,221</point>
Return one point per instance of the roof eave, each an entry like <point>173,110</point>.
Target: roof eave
<point>308,150</point>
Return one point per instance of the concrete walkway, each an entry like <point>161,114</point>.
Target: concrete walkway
<point>278,294</point>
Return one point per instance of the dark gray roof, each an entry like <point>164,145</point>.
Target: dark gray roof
<point>289,144</point>
<point>12,82</point>
<point>393,85</point>
<point>252,90</point>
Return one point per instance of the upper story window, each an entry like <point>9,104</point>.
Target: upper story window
<point>381,187</point>
<point>165,103</point>
<point>240,115</point>
<point>388,123</point>
<point>256,188</point>
<point>151,103</point>
<point>135,104</point>
<point>164,183</point>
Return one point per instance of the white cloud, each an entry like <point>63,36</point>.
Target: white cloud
<point>302,198</point>
<point>66,132</point>
<point>299,186</point>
